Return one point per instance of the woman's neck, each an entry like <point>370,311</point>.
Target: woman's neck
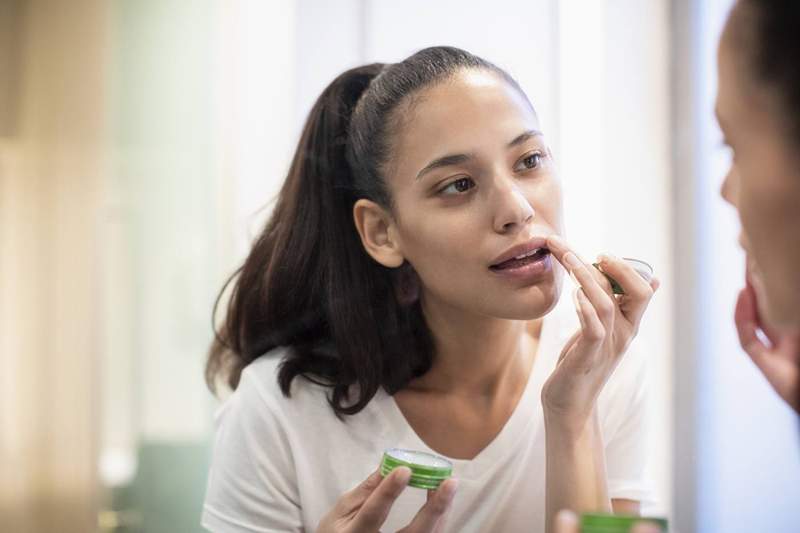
<point>476,355</point>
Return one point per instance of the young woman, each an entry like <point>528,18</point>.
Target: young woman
<point>404,294</point>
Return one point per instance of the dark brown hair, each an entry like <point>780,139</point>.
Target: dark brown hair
<point>771,31</point>
<point>347,322</point>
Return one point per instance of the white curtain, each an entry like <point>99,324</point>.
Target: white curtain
<point>52,66</point>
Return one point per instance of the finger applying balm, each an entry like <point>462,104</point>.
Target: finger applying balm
<point>559,247</point>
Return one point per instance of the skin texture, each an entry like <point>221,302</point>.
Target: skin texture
<point>451,223</point>
<point>763,184</point>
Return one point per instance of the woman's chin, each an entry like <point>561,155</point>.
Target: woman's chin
<point>534,303</point>
<point>771,313</point>
<point>768,314</point>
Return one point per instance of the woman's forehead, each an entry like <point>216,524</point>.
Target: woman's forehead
<point>471,107</point>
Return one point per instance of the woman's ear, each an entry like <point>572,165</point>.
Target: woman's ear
<point>377,231</point>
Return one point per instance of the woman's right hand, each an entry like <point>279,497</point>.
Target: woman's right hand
<point>779,360</point>
<point>364,509</point>
<point>608,325</point>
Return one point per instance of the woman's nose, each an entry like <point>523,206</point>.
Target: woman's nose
<point>512,209</point>
<point>729,187</point>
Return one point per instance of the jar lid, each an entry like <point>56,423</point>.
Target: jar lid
<point>644,269</point>
<point>427,470</point>
<point>606,523</point>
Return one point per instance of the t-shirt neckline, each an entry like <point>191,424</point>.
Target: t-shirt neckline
<point>517,426</point>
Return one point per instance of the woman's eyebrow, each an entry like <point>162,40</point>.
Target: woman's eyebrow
<point>519,139</point>
<point>446,161</point>
<point>457,159</point>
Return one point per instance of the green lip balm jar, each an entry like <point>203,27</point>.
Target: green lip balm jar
<point>427,470</point>
<point>606,523</point>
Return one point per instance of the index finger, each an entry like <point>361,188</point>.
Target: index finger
<point>595,286</point>
<point>375,510</point>
<point>559,249</point>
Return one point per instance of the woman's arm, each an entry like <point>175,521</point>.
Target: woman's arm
<point>576,483</point>
<point>575,471</point>
<point>576,475</point>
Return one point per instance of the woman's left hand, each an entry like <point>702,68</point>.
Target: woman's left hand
<point>608,324</point>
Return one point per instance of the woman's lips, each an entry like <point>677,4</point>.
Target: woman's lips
<point>514,263</point>
<point>526,269</point>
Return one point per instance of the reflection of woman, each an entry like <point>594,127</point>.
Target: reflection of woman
<point>758,107</point>
<point>399,291</point>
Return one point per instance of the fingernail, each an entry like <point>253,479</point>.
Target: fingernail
<point>404,474</point>
<point>605,258</point>
<point>556,241</point>
<point>572,260</point>
<point>566,518</point>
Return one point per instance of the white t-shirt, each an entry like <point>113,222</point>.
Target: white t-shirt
<point>280,464</point>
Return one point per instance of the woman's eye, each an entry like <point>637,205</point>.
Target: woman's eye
<point>531,161</point>
<point>459,186</point>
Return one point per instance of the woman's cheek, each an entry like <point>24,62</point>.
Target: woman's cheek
<point>547,202</point>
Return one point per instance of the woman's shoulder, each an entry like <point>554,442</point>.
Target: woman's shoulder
<point>305,407</point>
<point>261,379</point>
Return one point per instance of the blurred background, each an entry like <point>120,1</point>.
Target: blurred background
<point>141,144</point>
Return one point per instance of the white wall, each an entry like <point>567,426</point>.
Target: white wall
<point>636,210</point>
<point>258,84</point>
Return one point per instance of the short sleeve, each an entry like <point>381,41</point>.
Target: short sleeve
<point>627,436</point>
<point>252,482</point>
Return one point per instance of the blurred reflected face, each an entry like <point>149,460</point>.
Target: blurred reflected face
<point>474,195</point>
<point>763,183</point>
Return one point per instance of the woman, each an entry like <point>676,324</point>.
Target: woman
<point>399,293</point>
<point>758,108</point>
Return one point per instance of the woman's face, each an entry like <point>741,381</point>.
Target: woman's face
<point>763,183</point>
<point>472,178</point>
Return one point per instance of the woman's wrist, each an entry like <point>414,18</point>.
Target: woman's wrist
<point>568,429</point>
<point>575,477</point>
